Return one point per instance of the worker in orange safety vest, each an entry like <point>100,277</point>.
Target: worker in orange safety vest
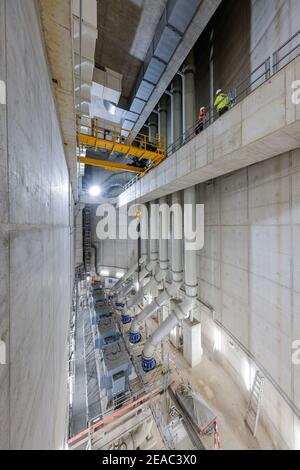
<point>201,117</point>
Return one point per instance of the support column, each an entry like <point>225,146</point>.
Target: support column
<point>189,95</point>
<point>192,343</point>
<point>211,73</point>
<point>162,120</point>
<point>153,127</point>
<point>176,91</point>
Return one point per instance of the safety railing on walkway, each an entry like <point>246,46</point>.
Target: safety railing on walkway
<point>141,397</point>
<point>106,134</point>
<point>286,52</point>
<point>145,152</point>
<point>280,58</point>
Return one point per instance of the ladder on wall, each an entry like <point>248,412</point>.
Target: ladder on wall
<point>253,410</point>
<point>87,241</point>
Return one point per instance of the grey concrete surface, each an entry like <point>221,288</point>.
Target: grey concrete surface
<point>114,255</point>
<point>249,268</point>
<point>56,22</point>
<point>126,29</point>
<point>35,241</point>
<point>4,256</point>
<point>202,17</point>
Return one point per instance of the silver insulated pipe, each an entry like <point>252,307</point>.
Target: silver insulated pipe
<point>159,229</point>
<point>171,289</point>
<point>180,308</point>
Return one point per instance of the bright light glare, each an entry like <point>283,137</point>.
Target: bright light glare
<point>297,434</point>
<point>246,373</point>
<point>104,273</point>
<point>217,340</point>
<point>95,190</point>
<point>119,275</point>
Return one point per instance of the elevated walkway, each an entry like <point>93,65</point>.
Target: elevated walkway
<point>264,124</point>
<point>94,135</point>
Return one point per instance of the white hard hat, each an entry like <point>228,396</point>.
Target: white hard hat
<point>218,91</point>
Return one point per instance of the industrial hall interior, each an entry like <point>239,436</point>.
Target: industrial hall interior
<point>149,225</point>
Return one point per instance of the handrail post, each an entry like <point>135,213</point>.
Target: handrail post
<point>275,61</point>
<point>268,68</point>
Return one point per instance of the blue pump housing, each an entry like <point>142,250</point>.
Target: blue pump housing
<point>125,318</point>
<point>148,364</point>
<point>135,337</point>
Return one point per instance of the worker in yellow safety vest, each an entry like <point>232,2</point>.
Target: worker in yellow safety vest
<point>221,102</point>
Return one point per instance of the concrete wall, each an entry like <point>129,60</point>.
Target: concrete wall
<point>243,37</point>
<point>34,240</point>
<point>249,271</point>
<point>229,35</point>
<point>56,21</point>
<point>264,124</point>
<point>117,255</point>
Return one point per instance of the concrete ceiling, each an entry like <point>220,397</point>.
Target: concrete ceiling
<point>125,31</point>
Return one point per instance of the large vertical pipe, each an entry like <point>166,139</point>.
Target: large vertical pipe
<point>189,94</point>
<point>153,128</point>
<point>144,241</point>
<point>177,272</point>
<point>180,309</point>
<point>176,90</point>
<point>190,261</point>
<point>211,74</point>
<point>162,120</point>
<point>154,237</point>
<point>163,234</point>
<point>154,231</point>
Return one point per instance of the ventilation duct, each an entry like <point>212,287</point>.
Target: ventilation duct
<point>85,33</point>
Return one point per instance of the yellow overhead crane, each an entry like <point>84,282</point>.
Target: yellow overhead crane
<point>94,135</point>
<point>112,166</point>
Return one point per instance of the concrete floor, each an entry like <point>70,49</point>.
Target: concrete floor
<point>220,392</point>
<point>223,396</point>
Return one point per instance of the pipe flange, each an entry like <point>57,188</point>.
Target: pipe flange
<point>148,363</point>
<point>120,305</point>
<point>135,337</point>
<point>126,318</point>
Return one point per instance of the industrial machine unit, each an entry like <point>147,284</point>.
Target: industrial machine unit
<point>117,368</point>
<point>107,332</point>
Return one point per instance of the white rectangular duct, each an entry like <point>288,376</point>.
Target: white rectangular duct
<point>89,11</point>
<point>107,85</point>
<point>85,33</point>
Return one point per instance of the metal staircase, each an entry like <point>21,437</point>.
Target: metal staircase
<point>253,410</point>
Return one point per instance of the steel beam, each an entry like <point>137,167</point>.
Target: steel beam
<point>112,166</point>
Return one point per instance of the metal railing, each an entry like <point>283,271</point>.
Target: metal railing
<point>280,58</point>
<point>117,134</point>
<point>286,52</point>
<point>236,94</point>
